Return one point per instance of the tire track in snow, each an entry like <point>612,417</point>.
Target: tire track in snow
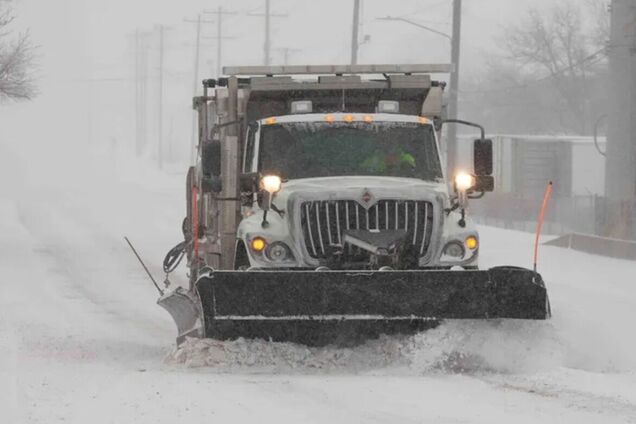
<point>78,256</point>
<point>572,399</point>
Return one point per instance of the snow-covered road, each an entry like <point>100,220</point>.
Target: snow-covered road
<point>82,341</point>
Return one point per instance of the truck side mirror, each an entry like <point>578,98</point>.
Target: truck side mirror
<point>211,159</point>
<point>211,167</point>
<point>482,156</point>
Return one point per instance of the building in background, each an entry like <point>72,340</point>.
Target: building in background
<point>525,164</point>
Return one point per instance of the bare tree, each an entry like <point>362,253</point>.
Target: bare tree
<point>549,69</point>
<point>558,46</point>
<point>16,61</point>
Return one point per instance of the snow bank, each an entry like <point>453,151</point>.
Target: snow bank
<point>454,347</point>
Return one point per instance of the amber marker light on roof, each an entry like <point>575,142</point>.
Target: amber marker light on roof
<point>270,121</point>
<point>348,118</point>
<point>424,120</point>
<point>330,118</point>
<point>368,119</point>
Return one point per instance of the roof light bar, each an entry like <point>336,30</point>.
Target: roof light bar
<point>434,68</point>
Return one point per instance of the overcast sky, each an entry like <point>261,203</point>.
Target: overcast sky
<point>96,33</point>
<point>86,54</point>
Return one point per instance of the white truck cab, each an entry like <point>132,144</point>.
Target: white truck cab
<point>338,172</point>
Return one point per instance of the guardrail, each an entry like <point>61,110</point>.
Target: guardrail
<point>593,215</point>
<point>604,246</point>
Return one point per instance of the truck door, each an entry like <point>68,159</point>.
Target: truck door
<point>250,144</point>
<point>249,159</point>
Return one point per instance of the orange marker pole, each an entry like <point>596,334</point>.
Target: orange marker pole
<point>544,206</point>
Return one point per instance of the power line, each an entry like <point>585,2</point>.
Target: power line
<point>408,21</point>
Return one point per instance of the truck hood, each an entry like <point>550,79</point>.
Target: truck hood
<point>327,188</point>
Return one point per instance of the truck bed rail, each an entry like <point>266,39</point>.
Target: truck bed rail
<point>337,69</point>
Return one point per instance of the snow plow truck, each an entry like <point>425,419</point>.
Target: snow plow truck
<point>320,211</point>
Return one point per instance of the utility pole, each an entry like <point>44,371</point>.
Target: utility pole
<point>287,51</point>
<point>219,36</point>
<point>195,86</point>
<point>354,32</point>
<point>620,165</point>
<point>451,135</point>
<point>267,46</point>
<point>138,134</point>
<point>143,92</point>
<point>162,30</point>
<point>455,41</point>
<point>141,75</point>
<point>197,48</point>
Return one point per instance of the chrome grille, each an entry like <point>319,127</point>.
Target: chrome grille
<point>324,221</point>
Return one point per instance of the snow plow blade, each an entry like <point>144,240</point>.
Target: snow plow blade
<point>185,311</point>
<point>343,307</point>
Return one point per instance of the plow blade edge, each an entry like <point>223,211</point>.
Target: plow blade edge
<point>185,311</point>
<point>339,306</point>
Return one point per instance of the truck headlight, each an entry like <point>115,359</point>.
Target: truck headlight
<point>278,252</point>
<point>271,183</point>
<point>454,249</point>
<point>464,181</point>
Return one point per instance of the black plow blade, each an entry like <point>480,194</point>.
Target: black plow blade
<point>345,307</point>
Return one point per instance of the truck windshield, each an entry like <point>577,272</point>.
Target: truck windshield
<point>321,149</point>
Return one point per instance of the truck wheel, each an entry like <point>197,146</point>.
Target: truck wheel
<point>241,260</point>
